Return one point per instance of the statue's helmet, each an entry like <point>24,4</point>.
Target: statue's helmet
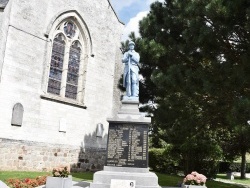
<point>131,43</point>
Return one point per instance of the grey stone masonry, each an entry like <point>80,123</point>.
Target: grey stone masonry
<point>34,156</point>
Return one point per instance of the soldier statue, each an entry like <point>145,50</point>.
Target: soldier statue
<point>131,71</point>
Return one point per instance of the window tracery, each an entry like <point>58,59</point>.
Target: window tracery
<point>66,61</point>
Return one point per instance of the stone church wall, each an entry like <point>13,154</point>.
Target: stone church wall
<point>4,22</point>
<point>34,156</point>
<point>24,62</point>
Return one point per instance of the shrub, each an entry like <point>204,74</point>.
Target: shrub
<point>232,167</point>
<point>27,182</point>
<point>160,160</point>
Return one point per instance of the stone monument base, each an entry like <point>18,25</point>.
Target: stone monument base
<point>142,177</point>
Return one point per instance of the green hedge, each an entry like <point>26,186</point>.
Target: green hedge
<point>160,161</point>
<point>163,160</point>
<point>233,167</point>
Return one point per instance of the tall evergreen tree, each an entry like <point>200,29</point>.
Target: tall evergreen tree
<point>195,63</point>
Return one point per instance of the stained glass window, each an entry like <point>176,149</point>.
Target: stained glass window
<point>69,29</point>
<point>65,63</point>
<point>73,71</point>
<point>56,65</point>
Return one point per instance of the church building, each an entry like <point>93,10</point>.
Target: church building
<point>60,62</point>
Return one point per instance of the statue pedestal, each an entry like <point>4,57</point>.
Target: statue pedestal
<point>127,150</point>
<point>142,177</point>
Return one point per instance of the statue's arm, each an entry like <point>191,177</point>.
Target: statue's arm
<point>136,58</point>
<point>125,57</point>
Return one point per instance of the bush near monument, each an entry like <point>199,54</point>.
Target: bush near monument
<point>161,161</point>
<point>61,172</point>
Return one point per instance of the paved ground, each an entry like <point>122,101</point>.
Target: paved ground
<point>83,184</point>
<point>86,184</point>
<point>75,185</point>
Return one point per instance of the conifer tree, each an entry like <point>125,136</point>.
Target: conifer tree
<point>195,62</point>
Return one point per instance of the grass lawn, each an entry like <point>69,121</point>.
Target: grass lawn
<point>168,180</point>
<point>82,176</point>
<point>216,184</point>
<point>236,179</point>
<point>164,179</point>
<point>4,175</point>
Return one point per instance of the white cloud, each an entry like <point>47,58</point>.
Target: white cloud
<point>133,25</point>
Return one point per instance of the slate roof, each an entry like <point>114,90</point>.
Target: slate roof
<point>3,3</point>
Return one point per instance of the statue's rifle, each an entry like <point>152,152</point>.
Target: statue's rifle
<point>129,78</point>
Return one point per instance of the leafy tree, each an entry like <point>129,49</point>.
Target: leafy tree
<point>195,64</point>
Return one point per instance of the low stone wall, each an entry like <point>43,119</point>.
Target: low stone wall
<point>34,156</point>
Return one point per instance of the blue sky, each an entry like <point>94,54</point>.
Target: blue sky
<point>130,12</point>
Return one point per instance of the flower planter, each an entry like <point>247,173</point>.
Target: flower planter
<point>191,186</point>
<point>58,182</point>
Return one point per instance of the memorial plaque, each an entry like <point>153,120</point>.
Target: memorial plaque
<point>127,145</point>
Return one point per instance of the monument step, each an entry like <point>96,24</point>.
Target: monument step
<point>143,180</point>
<point>96,185</point>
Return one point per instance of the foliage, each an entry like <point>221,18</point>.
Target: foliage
<point>60,172</point>
<point>236,167</point>
<point>195,66</point>
<point>195,179</point>
<point>161,161</point>
<point>224,167</point>
<point>27,182</point>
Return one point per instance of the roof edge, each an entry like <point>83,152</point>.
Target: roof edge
<point>115,13</point>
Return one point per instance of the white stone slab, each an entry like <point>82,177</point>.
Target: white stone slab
<point>3,185</point>
<point>102,179</point>
<point>122,183</point>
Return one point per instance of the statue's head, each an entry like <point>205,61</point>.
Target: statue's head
<point>131,45</point>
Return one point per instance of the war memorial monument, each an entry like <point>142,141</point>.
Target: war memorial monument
<point>127,148</point>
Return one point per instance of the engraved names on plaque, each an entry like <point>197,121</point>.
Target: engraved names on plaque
<point>127,145</point>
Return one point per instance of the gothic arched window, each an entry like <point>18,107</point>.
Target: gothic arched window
<point>66,62</point>
<point>56,65</point>
<point>73,70</point>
